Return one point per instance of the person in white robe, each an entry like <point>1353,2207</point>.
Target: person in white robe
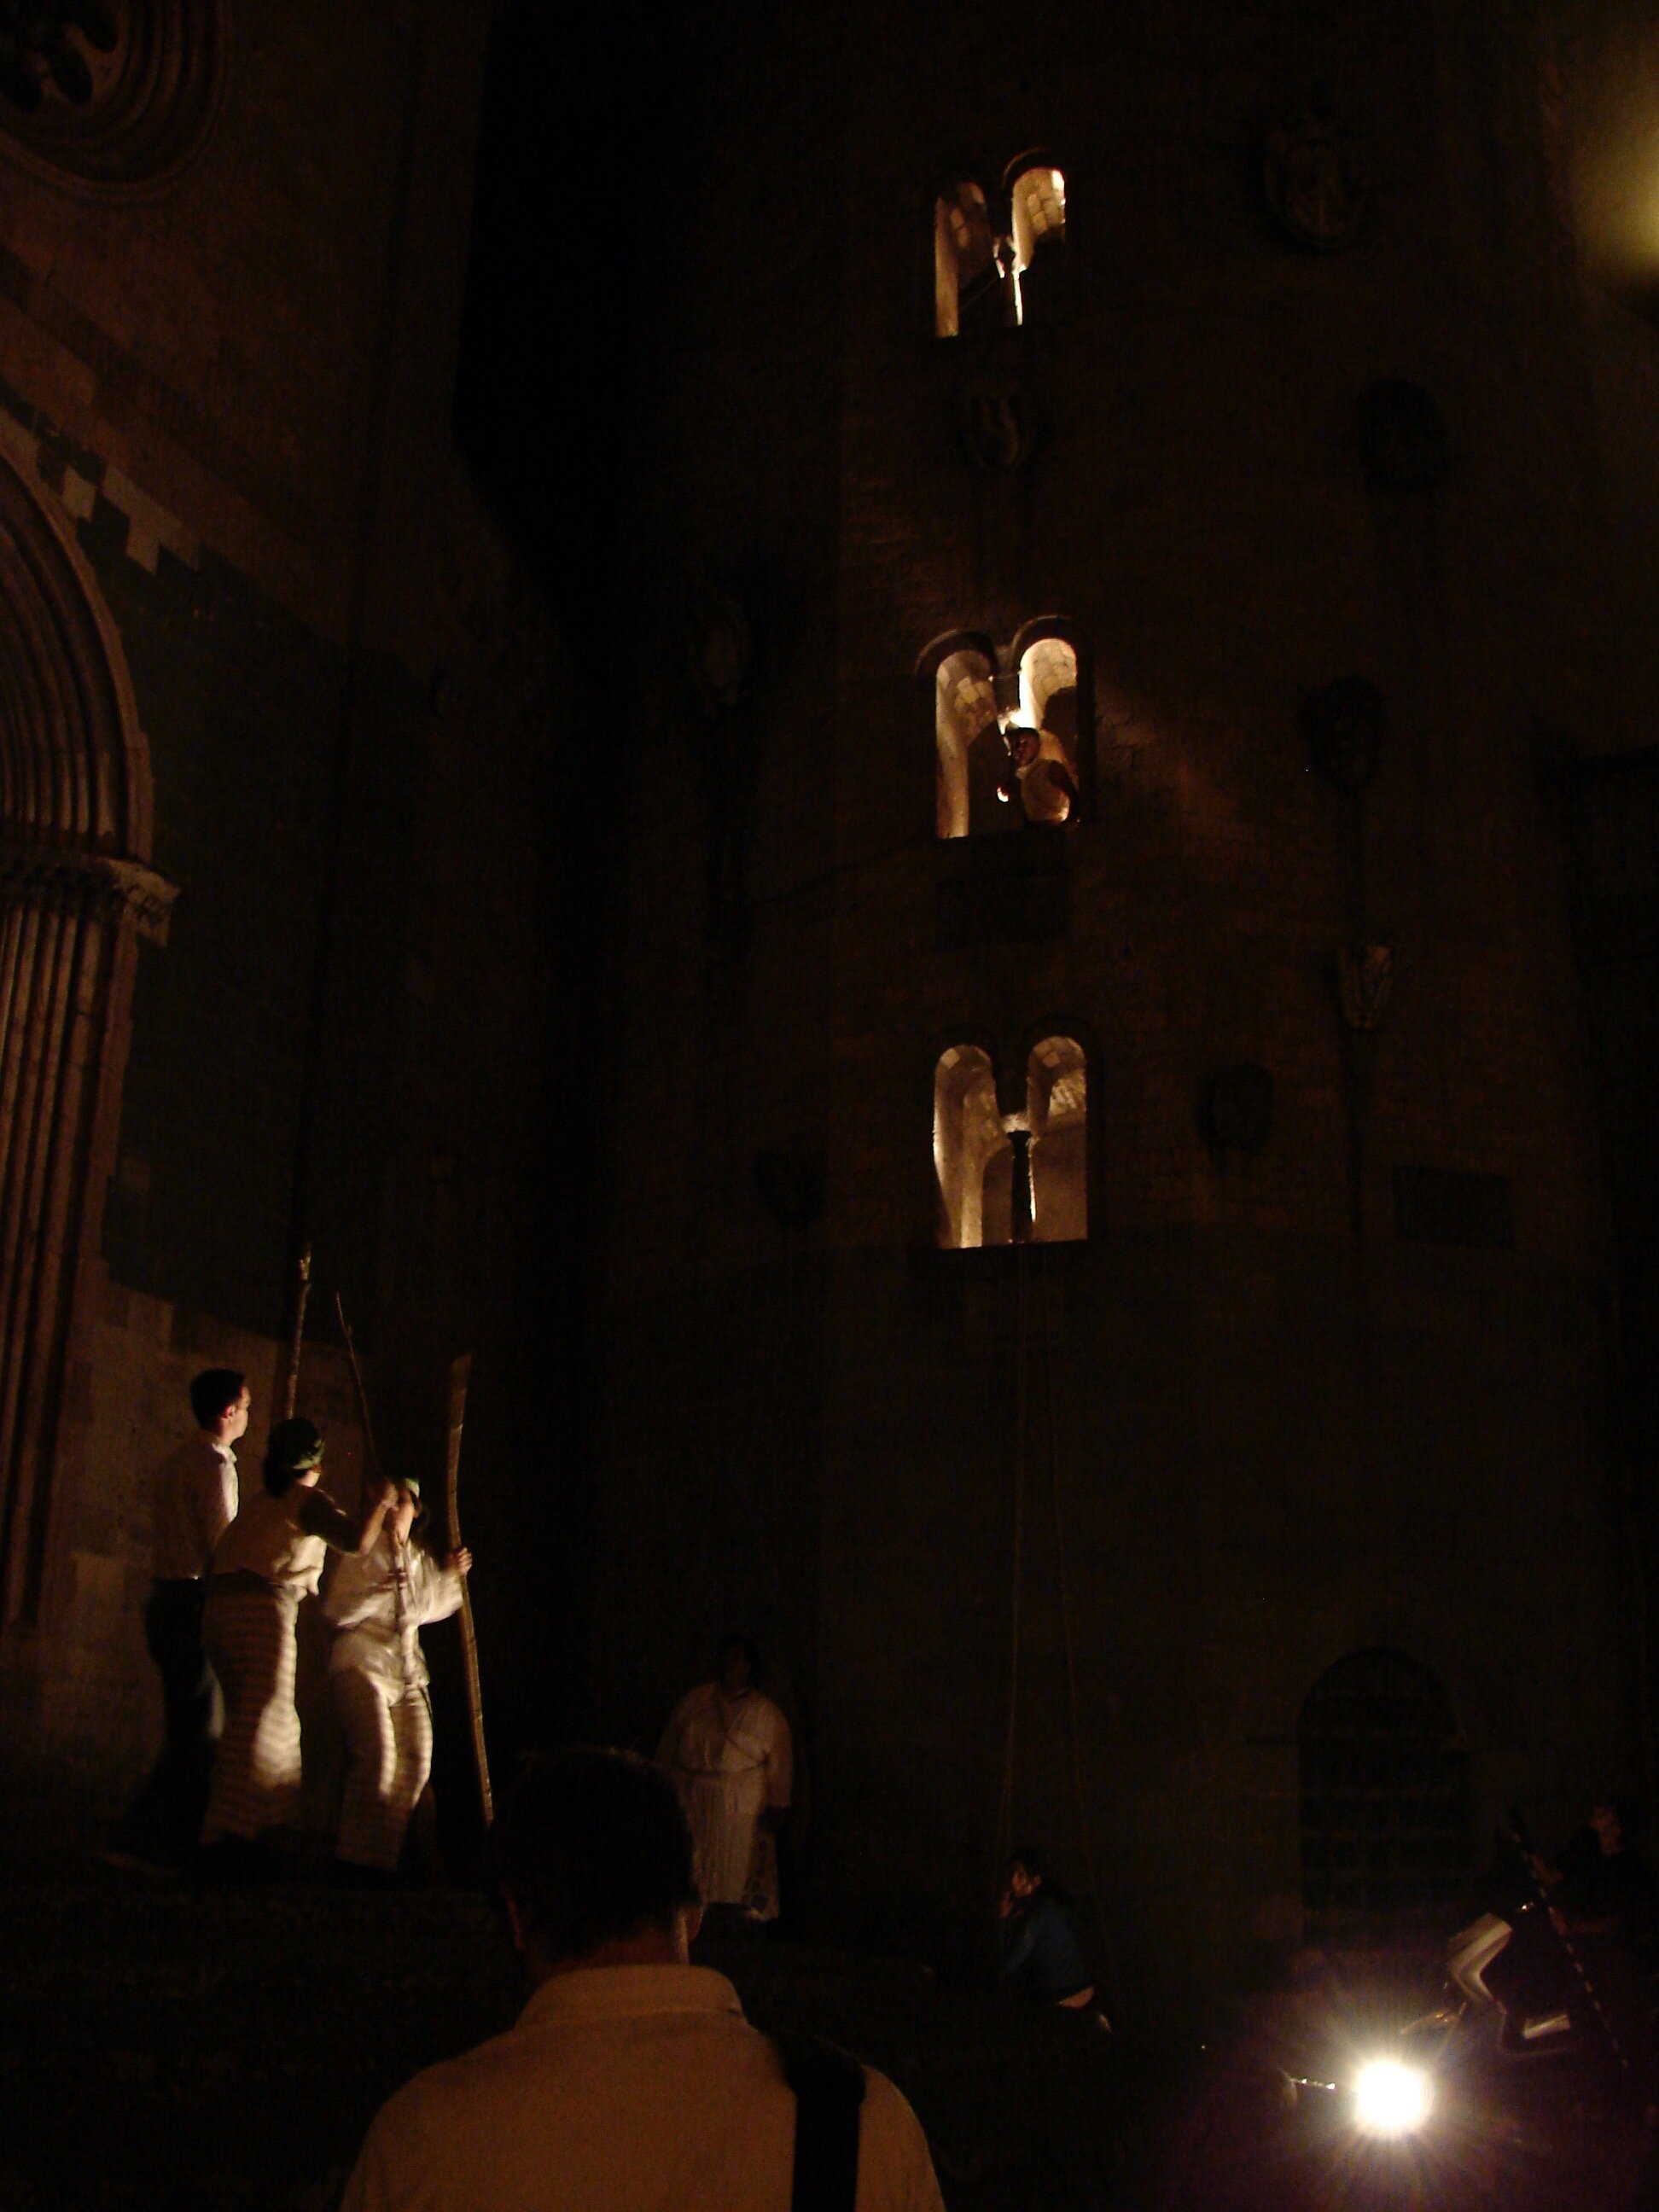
<point>268,1561</point>
<point>378,1601</point>
<point>727,1751</point>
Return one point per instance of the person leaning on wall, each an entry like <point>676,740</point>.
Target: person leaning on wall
<point>197,1493</point>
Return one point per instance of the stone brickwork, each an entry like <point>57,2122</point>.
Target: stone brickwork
<point>100,1706</point>
<point>1279,1428</point>
<point>235,384</point>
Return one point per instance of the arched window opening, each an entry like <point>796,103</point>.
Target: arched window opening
<point>1048,705</point>
<point>967,283</point>
<point>1037,206</point>
<point>1057,1112</point>
<point>1008,733</point>
<point>1384,1787</point>
<point>973,1153</point>
<point>972,757</point>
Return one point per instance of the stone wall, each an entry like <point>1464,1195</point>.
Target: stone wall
<point>237,385</point>
<point>97,1705</point>
<point>1347,1391</point>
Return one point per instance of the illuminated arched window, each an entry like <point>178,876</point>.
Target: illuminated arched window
<point>1012,1178</point>
<point>967,285</point>
<point>1007,731</point>
<point>1037,212</point>
<point>1384,1796</point>
<point>1048,705</point>
<point>971,754</point>
<point>1057,1113</point>
<point>973,1153</point>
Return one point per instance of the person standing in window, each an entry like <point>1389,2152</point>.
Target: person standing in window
<point>728,1753</point>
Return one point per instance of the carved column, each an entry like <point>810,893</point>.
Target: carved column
<point>69,924</point>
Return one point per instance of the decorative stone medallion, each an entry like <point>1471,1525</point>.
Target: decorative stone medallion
<point>1402,436</point>
<point>1344,722</point>
<point>1314,173</point>
<point>1365,978</point>
<point>998,420</point>
<point>1237,1109</point>
<point>110,98</point>
<point>718,649</point>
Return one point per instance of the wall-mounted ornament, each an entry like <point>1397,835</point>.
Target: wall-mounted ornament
<point>791,1187</point>
<point>1344,722</point>
<point>112,99</point>
<point>996,418</point>
<point>1402,436</point>
<point>1235,1110</point>
<point>1313,172</point>
<point>1364,980</point>
<point>718,649</point>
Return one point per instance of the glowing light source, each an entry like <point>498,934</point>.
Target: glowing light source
<point>1391,2100</point>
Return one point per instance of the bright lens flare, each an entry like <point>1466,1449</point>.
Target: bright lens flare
<point>1390,2099</point>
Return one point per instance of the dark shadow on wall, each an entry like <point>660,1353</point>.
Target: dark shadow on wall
<point>571,149</point>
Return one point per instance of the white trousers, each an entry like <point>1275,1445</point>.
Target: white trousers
<point>389,1740</point>
<point>249,1636</point>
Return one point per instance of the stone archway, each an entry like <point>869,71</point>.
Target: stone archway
<point>76,893</point>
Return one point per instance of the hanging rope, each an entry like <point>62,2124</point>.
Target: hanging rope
<point>1085,1836</point>
<point>1006,1803</point>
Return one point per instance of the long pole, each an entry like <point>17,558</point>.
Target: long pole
<point>459,1372</point>
<point>371,1456</point>
<point>302,1292</point>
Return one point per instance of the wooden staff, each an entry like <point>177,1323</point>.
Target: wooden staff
<point>301,1293</point>
<point>461,1369</point>
<point>371,1457</point>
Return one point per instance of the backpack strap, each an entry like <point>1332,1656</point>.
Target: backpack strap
<point>828,2086</point>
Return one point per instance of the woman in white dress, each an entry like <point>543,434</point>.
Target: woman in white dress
<point>269,1557</point>
<point>727,1751</point>
<point>378,1600</point>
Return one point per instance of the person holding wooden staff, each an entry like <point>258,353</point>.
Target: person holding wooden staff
<point>378,1601</point>
<point>270,1557</point>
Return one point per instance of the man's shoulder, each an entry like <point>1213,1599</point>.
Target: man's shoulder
<point>895,2167</point>
<point>450,2084</point>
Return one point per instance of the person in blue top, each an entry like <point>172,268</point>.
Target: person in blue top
<point>1041,1951</point>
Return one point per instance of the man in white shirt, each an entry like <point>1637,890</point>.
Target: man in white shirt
<point>195,1500</point>
<point>632,2079</point>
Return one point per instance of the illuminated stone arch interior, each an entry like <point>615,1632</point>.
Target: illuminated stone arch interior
<point>973,1154</point>
<point>1049,704</point>
<point>1057,1110</point>
<point>980,788</point>
<point>966,283</point>
<point>971,754</point>
<point>1010,1178</point>
<point>979,272</point>
<point>1036,210</point>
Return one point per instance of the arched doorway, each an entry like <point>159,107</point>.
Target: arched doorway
<point>1384,1789</point>
<point>76,893</point>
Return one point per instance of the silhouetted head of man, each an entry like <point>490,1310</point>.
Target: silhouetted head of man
<point>737,1664</point>
<point>594,1860</point>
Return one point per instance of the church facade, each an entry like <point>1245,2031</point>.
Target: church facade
<point>979,909</point>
